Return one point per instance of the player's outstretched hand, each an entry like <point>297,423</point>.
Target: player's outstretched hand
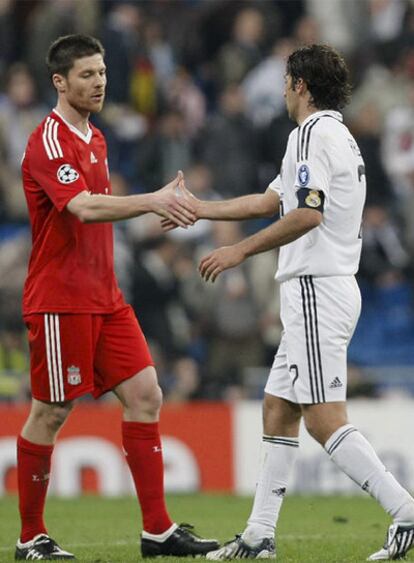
<point>219,260</point>
<point>169,203</point>
<point>182,192</point>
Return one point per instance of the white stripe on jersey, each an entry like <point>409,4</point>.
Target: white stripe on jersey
<point>53,353</point>
<point>50,139</point>
<point>49,361</point>
<point>55,139</point>
<point>54,358</point>
<point>59,356</point>
<point>44,137</point>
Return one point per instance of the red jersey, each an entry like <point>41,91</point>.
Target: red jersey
<point>71,268</point>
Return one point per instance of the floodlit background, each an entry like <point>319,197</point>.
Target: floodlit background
<point>198,85</point>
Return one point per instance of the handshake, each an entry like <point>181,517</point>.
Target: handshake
<point>178,207</point>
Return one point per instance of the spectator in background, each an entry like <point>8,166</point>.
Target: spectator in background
<point>237,57</point>
<point>200,178</point>
<point>384,84</point>
<point>386,19</point>
<point>227,145</point>
<point>123,246</point>
<point>385,333</point>
<point>398,145</point>
<point>263,86</point>
<point>49,20</point>
<point>272,146</point>
<point>366,127</point>
<point>156,295</point>
<point>14,254</point>
<point>164,149</point>
<point>159,51</point>
<point>125,129</point>
<point>182,94</point>
<point>306,31</point>
<point>184,380</point>
<point>20,112</point>
<point>234,331</point>
<point>7,36</point>
<point>13,364</point>
<point>384,258</point>
<point>122,30</point>
<point>342,23</point>
<point>398,153</point>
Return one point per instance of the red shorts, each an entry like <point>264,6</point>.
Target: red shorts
<point>71,355</point>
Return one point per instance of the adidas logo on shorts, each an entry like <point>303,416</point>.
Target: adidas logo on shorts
<point>335,383</point>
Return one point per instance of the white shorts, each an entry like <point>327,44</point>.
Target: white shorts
<point>319,316</point>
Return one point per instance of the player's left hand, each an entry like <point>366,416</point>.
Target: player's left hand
<point>219,260</point>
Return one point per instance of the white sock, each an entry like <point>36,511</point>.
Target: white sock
<point>277,458</point>
<point>352,453</point>
<point>160,537</point>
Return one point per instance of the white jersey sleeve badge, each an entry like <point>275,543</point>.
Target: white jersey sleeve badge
<point>313,199</point>
<point>303,175</point>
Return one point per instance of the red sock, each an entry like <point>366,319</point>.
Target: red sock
<point>142,444</point>
<point>33,469</point>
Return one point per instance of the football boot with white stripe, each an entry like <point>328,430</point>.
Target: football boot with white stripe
<point>399,540</point>
<point>181,542</point>
<point>239,549</point>
<point>40,547</point>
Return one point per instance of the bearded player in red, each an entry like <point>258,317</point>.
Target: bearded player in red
<point>83,337</point>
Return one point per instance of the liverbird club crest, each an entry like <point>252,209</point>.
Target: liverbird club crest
<point>74,375</point>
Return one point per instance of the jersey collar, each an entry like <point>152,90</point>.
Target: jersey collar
<point>86,138</point>
<point>325,112</point>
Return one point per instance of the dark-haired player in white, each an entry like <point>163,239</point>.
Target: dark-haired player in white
<point>320,192</point>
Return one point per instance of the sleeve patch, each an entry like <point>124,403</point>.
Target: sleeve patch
<point>66,174</point>
<point>313,199</point>
<point>303,175</point>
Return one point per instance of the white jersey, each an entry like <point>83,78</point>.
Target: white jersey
<point>322,155</point>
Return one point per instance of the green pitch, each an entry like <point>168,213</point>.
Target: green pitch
<point>311,529</point>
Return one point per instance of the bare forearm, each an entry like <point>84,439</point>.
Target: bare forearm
<point>104,208</point>
<point>294,225</point>
<point>164,202</point>
<point>245,207</point>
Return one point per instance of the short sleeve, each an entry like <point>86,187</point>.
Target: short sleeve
<point>314,172</point>
<point>276,185</point>
<point>56,171</point>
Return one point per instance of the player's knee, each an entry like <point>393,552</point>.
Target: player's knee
<point>145,401</point>
<point>55,416</point>
<point>316,429</point>
<point>152,401</point>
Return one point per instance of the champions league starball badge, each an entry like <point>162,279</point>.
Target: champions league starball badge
<point>66,174</point>
<point>303,175</point>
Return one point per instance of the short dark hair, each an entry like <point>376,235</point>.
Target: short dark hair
<point>325,73</point>
<point>65,50</point>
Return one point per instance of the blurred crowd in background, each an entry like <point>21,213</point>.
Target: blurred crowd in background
<point>198,85</point>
